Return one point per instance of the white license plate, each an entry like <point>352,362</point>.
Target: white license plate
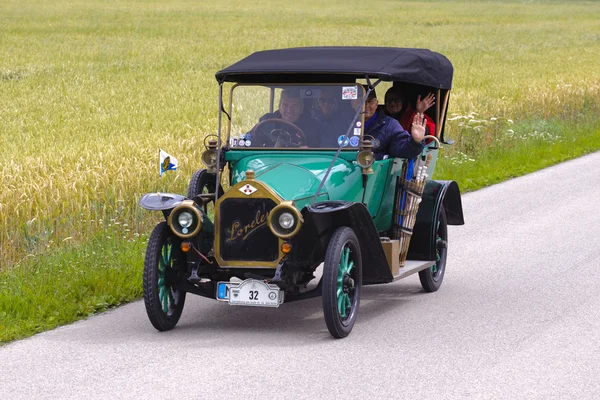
<point>250,292</point>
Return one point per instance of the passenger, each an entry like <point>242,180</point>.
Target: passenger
<point>394,103</point>
<point>397,107</point>
<point>334,118</point>
<point>393,139</point>
<point>291,109</point>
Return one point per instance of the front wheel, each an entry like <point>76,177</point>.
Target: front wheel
<point>203,183</point>
<point>342,281</point>
<point>164,302</point>
<point>431,278</point>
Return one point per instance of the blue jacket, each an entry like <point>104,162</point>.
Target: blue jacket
<point>393,139</point>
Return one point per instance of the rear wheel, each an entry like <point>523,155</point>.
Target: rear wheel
<point>164,302</point>
<point>342,281</point>
<point>431,278</point>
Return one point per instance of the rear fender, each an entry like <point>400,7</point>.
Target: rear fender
<point>321,220</point>
<point>450,195</point>
<point>436,194</point>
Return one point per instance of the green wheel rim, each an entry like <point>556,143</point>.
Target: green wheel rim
<point>345,283</point>
<point>165,294</point>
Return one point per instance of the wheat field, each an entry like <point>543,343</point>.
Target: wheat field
<point>90,90</point>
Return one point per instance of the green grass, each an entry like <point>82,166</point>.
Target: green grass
<point>90,90</point>
<point>69,284</point>
<point>515,156</point>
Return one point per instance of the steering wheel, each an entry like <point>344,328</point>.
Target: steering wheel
<point>280,135</point>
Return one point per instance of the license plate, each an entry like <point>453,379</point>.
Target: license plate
<point>250,292</point>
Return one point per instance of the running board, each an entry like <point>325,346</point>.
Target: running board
<point>411,267</point>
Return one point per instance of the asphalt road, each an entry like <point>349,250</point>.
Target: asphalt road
<point>518,316</point>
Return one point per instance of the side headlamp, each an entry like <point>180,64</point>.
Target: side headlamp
<point>365,157</point>
<point>209,156</point>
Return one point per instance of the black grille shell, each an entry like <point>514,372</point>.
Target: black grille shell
<point>243,231</point>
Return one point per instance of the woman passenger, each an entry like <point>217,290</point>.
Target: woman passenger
<point>397,107</point>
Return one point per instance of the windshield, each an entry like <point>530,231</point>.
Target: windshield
<point>307,116</point>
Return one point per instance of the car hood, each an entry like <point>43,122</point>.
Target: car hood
<point>297,176</point>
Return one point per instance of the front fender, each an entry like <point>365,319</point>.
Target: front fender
<point>321,220</point>
<point>166,202</point>
<point>160,201</point>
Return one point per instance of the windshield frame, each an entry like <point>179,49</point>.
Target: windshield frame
<point>272,86</point>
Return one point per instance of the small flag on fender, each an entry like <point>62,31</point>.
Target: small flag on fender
<point>167,162</point>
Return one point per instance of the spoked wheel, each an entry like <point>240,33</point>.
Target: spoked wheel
<point>342,281</point>
<point>164,302</point>
<point>431,278</point>
<point>203,182</point>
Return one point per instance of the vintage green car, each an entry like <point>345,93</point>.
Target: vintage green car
<point>311,208</point>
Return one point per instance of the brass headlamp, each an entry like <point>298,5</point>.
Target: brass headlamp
<point>285,220</point>
<point>209,156</point>
<point>365,157</point>
<point>185,220</point>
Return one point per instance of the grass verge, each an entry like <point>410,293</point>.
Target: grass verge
<point>518,155</point>
<point>70,284</point>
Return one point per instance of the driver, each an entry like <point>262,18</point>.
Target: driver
<point>291,109</point>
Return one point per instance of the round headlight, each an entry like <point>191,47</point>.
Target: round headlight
<point>286,220</point>
<point>185,219</point>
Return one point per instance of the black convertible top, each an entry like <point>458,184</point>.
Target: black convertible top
<point>338,64</point>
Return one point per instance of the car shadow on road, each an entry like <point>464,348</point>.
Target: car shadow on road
<point>298,322</point>
<point>207,323</point>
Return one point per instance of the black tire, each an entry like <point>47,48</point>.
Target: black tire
<point>161,241</point>
<point>203,182</point>
<point>339,320</point>
<point>431,278</point>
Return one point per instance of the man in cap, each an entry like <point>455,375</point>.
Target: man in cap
<point>391,138</point>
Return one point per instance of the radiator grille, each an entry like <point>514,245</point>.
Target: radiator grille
<point>244,233</point>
